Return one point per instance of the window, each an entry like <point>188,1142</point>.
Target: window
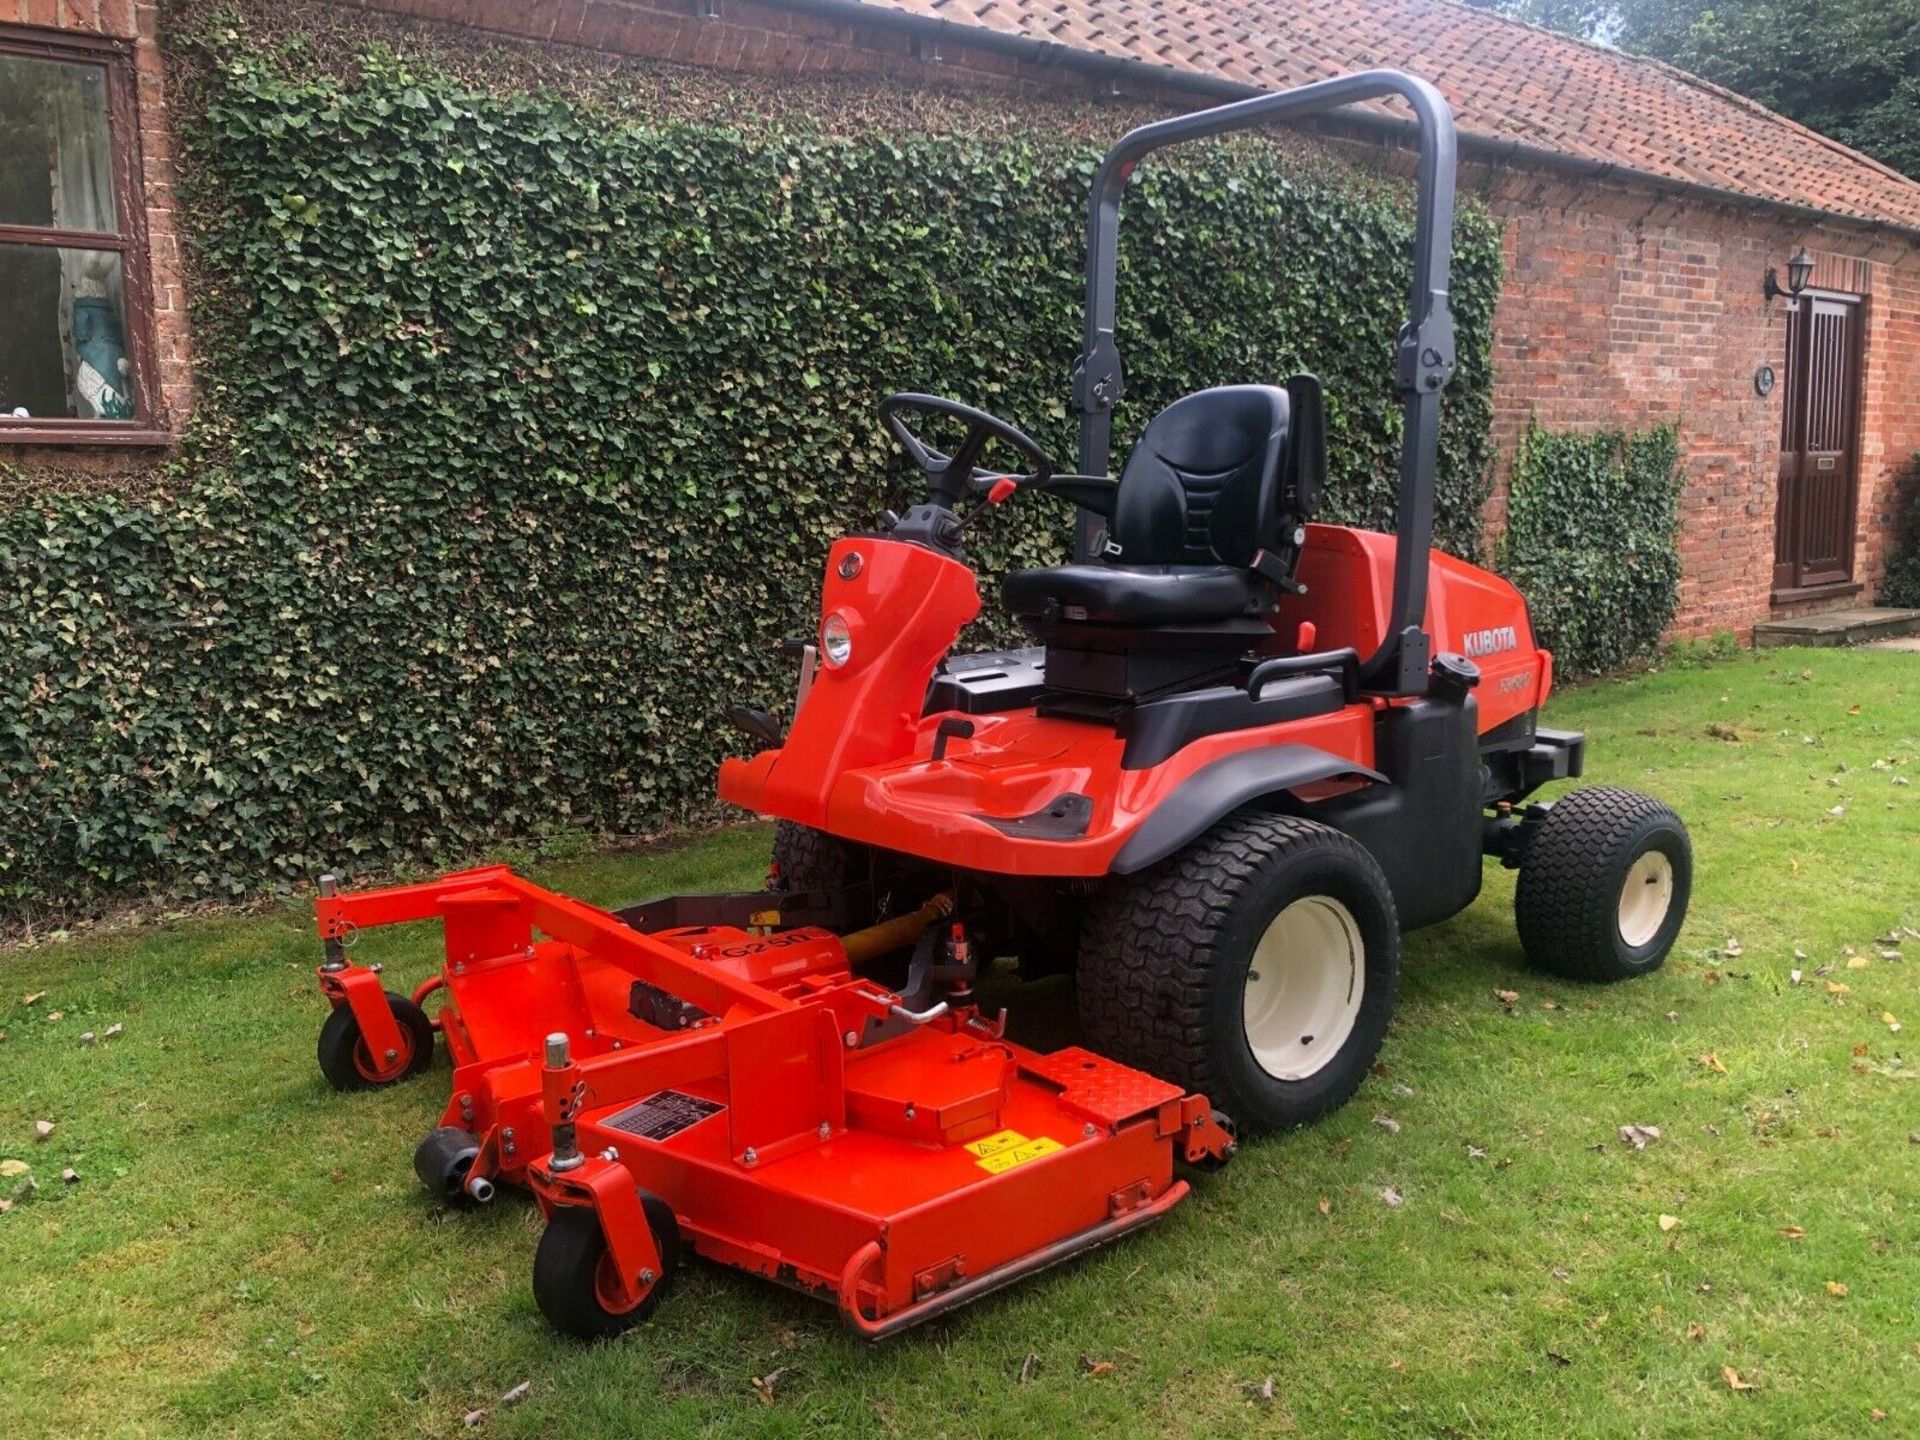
<point>75,359</point>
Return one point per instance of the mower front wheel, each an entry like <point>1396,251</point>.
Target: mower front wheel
<point>349,1065</point>
<point>1258,966</point>
<point>573,1272</point>
<point>1603,885</point>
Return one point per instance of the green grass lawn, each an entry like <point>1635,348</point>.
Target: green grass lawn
<point>247,1253</point>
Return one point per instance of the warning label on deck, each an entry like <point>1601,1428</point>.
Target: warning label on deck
<point>1009,1148</point>
<point>663,1115</point>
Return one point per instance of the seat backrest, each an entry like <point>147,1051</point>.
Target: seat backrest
<point>1202,485</point>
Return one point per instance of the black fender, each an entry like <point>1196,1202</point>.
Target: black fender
<point>1215,791</point>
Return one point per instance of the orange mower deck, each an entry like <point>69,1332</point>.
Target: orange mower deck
<point>773,1112</point>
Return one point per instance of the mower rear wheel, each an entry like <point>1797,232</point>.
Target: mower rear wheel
<point>1603,885</point>
<point>1258,965</point>
<point>349,1065</point>
<point>574,1281</point>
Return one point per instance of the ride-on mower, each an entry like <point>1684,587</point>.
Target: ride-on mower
<point>1248,751</point>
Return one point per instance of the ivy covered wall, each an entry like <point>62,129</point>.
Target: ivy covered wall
<point>524,425</point>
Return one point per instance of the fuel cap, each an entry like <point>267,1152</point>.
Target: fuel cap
<point>1452,675</point>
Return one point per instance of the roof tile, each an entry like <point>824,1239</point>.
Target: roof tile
<point>1506,81</point>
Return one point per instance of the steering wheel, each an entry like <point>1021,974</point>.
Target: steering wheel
<point>949,477</point>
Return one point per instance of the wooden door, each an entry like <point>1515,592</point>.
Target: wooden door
<point>1814,522</point>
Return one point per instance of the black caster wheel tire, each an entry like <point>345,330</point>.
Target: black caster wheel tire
<point>1258,965</point>
<point>443,1161</point>
<point>346,1061</point>
<point>574,1282</point>
<point>1603,886</point>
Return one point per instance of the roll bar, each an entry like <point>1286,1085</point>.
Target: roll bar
<point>1423,364</point>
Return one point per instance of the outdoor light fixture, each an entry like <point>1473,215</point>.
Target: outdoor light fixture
<point>1799,271</point>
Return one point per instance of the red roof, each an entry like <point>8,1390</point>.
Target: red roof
<point>1507,81</point>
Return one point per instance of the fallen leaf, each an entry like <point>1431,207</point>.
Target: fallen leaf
<point>1834,987</point>
<point>1712,977</point>
<point>1837,811</point>
<point>1793,976</point>
<point>34,999</point>
<point>1886,1019</point>
<point>1474,1152</point>
<point>474,1419</point>
<point>53,1015</point>
<point>1028,1367</point>
<point>112,1030</point>
<point>1858,962</point>
<point>763,1384</point>
<point>1549,1004</point>
<point>13,1169</point>
<point>1853,709</point>
<point>1669,1222</point>
<point>1639,1136</point>
<point>1876,1413</point>
<point>1506,997</point>
<point>1392,1196</point>
<point>1561,1273</point>
<point>1696,1331</point>
<point>1711,1061</point>
<point>1396,1364</point>
<point>1095,1367</point>
<point>1794,1232</point>
<point>1325,1207</point>
<point>1673,1017</point>
<point>43,1129</point>
<point>1733,947</point>
<point>1557,1358</point>
<point>1400,1088</point>
<point>1387,1123</point>
<point>1836,1289</point>
<point>1734,1382</point>
<point>517,1393</point>
<point>1262,1391</point>
<point>88,1038</point>
<point>70,1176</point>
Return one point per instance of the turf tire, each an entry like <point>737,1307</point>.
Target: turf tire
<point>1165,955</point>
<point>1567,904</point>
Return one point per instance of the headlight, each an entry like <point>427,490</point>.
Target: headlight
<point>836,640</point>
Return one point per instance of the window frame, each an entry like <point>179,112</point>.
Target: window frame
<point>116,57</point>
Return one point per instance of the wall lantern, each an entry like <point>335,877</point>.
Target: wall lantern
<point>1799,271</point>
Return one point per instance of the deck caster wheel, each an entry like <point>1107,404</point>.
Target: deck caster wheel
<point>443,1161</point>
<point>1258,965</point>
<point>1603,885</point>
<point>349,1065</point>
<point>573,1275</point>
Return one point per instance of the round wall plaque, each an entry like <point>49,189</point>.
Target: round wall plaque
<point>1763,380</point>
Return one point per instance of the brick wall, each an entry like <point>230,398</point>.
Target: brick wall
<point>1619,309</point>
<point>138,23</point>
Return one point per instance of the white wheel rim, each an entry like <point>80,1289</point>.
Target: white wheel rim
<point>1304,987</point>
<point>1645,898</point>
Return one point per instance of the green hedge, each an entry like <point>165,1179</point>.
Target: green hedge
<point>1902,585</point>
<point>523,429</point>
<point>1592,540</point>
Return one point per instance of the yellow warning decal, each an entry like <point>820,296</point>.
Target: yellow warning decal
<point>1001,1152</point>
<point>994,1144</point>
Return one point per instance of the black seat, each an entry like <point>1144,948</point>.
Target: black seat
<point>1196,501</point>
<point>1200,541</point>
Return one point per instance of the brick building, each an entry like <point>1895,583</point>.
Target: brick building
<point>1644,211</point>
